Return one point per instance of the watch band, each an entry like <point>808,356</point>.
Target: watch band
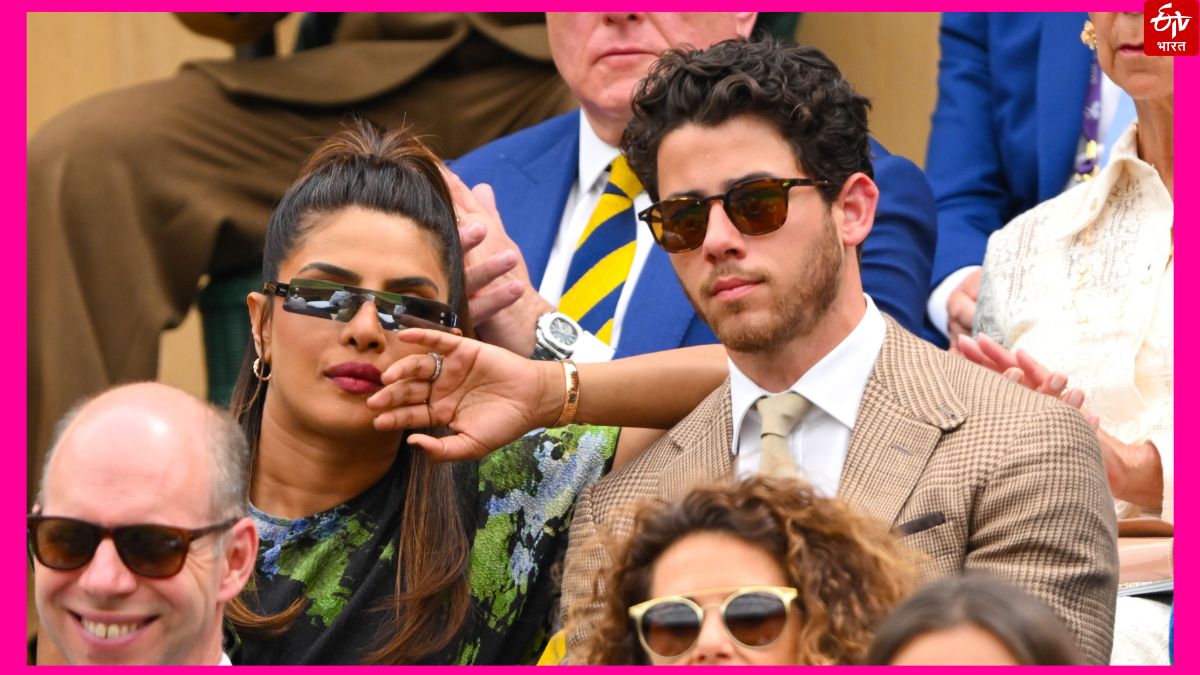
<point>543,352</point>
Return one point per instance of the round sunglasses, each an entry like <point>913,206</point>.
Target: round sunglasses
<point>754,616</point>
<point>149,550</point>
<point>756,206</point>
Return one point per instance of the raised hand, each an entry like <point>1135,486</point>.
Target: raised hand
<point>486,395</point>
<point>504,305</point>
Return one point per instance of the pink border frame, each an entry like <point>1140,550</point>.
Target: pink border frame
<point>12,238</point>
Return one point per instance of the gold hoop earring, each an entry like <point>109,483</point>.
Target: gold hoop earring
<point>258,370</point>
<point>1088,35</point>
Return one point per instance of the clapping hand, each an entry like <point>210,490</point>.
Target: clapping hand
<point>1021,367</point>
<point>1134,470</point>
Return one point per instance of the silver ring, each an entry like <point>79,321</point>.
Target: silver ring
<point>437,366</point>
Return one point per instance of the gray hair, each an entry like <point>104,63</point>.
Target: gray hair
<point>230,490</point>
<point>231,464</point>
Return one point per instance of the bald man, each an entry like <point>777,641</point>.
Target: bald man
<point>140,534</point>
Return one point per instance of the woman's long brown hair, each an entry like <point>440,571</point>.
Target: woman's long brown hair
<point>394,173</point>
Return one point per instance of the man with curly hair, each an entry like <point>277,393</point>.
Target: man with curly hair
<point>576,289</point>
<point>756,156</point>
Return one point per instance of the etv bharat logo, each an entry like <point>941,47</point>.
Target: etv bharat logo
<point>1171,28</point>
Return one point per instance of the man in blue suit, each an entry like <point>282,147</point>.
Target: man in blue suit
<point>1008,122</point>
<point>548,179</point>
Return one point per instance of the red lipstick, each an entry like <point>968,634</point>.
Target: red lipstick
<point>356,377</point>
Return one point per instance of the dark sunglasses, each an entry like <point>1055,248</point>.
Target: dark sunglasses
<point>329,300</point>
<point>148,550</point>
<point>755,207</point>
<point>754,616</point>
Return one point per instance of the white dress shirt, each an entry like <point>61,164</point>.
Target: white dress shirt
<point>834,386</point>
<point>594,157</point>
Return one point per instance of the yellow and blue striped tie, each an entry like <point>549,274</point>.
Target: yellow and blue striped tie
<point>603,255</point>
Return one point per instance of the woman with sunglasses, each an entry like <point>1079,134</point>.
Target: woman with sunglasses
<point>370,552</point>
<point>760,572</point>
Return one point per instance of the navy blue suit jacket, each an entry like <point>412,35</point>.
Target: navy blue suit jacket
<point>532,172</point>
<point>1011,88</point>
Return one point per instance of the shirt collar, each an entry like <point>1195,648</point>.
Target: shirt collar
<point>594,156</point>
<point>835,384</point>
<point>1123,159</point>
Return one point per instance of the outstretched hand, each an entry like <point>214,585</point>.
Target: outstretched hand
<point>486,395</point>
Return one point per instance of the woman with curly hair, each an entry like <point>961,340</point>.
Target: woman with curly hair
<point>760,572</point>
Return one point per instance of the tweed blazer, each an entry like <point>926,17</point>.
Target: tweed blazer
<point>1014,478</point>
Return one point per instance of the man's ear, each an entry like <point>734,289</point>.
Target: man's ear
<point>256,304</point>
<point>744,22</point>
<point>854,209</point>
<point>240,553</point>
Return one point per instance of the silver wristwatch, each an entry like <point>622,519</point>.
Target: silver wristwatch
<point>556,337</point>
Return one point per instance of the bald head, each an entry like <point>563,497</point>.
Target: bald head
<point>153,430</point>
<point>148,461</point>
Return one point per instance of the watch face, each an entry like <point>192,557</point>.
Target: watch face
<point>562,331</point>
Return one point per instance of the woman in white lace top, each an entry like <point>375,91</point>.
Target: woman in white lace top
<point>1084,283</point>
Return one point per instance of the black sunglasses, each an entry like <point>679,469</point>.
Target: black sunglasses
<point>149,550</point>
<point>756,206</point>
<point>755,616</point>
<point>339,302</point>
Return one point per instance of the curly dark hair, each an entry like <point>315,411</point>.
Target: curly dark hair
<point>795,88</point>
<point>850,571</point>
<point>1024,624</point>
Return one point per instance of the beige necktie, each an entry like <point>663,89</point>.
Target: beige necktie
<point>779,413</point>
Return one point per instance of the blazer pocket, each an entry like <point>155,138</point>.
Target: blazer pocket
<point>939,543</point>
<point>925,522</point>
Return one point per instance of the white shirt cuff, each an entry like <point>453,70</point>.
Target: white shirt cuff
<point>591,349</point>
<point>939,316</point>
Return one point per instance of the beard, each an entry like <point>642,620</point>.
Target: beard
<point>796,305</point>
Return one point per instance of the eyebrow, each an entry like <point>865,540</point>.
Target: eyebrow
<point>393,285</point>
<point>755,175</point>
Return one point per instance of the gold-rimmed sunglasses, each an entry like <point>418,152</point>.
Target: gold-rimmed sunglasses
<point>754,616</point>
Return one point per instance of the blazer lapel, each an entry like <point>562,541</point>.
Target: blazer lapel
<point>534,193</point>
<point>702,444</point>
<point>1061,90</point>
<point>905,410</point>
